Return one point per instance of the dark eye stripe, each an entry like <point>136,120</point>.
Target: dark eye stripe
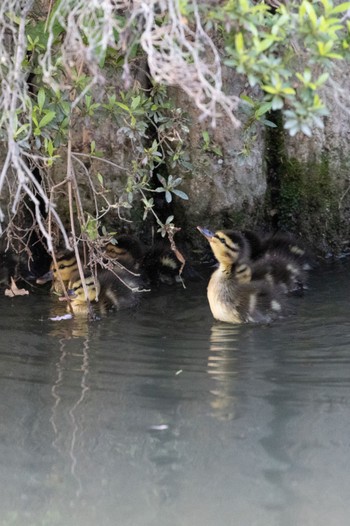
<point>65,265</point>
<point>223,241</point>
<point>78,285</point>
<point>234,248</point>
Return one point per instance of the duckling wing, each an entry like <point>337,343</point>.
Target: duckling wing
<point>286,244</point>
<point>279,269</point>
<point>259,301</point>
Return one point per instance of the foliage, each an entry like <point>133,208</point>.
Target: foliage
<point>288,52</point>
<point>150,126</point>
<point>55,71</point>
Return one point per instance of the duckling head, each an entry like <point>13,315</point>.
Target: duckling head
<point>127,250</point>
<point>66,265</point>
<point>227,245</point>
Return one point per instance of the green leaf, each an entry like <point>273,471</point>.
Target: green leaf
<point>312,13</point>
<point>264,44</point>
<point>290,124</point>
<point>180,194</point>
<point>305,128</point>
<point>22,128</point>
<point>205,136</point>
<point>135,102</point>
<point>11,15</point>
<point>91,227</point>
<point>264,108</point>
<point>270,89</point>
<point>239,43</point>
<point>47,118</point>
<point>41,98</point>
<point>294,131</point>
<point>270,124</point>
<point>288,91</point>
<point>123,106</point>
<point>322,78</point>
<point>340,8</point>
<point>162,180</point>
<point>248,100</point>
<point>66,107</point>
<point>277,103</point>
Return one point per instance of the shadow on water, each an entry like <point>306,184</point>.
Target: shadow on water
<point>163,416</point>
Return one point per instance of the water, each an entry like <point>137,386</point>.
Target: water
<point>163,416</point>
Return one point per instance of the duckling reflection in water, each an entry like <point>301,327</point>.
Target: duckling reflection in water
<point>104,293</point>
<point>222,367</point>
<point>230,299</point>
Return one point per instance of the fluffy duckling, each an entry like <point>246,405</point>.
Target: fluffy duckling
<point>129,253</point>
<point>280,244</point>
<point>105,292</point>
<point>126,253</point>
<point>230,299</point>
<point>127,250</point>
<point>276,269</point>
<point>66,265</point>
<point>163,265</point>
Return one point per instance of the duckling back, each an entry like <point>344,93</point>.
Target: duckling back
<point>126,249</point>
<point>114,294</point>
<point>127,256</point>
<point>280,244</point>
<point>163,265</point>
<point>276,269</point>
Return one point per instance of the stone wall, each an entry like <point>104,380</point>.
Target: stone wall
<point>267,180</point>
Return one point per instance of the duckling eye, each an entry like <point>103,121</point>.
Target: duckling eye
<point>61,266</point>
<point>221,239</point>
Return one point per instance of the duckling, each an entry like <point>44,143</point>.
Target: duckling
<point>105,292</point>
<point>230,299</point>
<point>163,265</point>
<point>126,249</point>
<point>277,269</point>
<point>66,265</point>
<point>279,244</point>
<point>129,252</point>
